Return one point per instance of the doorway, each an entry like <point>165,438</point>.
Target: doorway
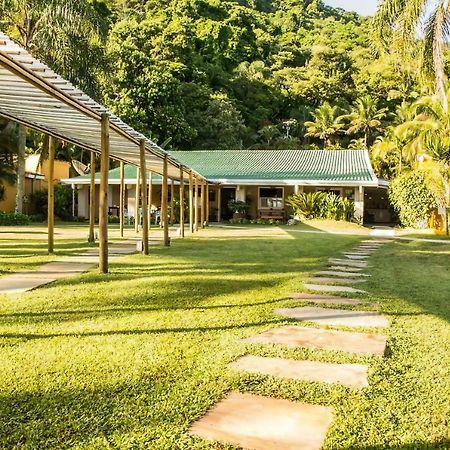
<point>227,194</point>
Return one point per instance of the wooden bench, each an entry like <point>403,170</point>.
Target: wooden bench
<point>276,214</point>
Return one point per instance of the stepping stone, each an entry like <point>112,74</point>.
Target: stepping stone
<point>376,241</point>
<point>355,256</point>
<point>348,262</point>
<point>332,288</point>
<point>335,317</point>
<point>265,423</point>
<point>352,375</point>
<point>335,280</point>
<point>331,299</point>
<point>343,273</point>
<point>344,269</point>
<point>317,338</point>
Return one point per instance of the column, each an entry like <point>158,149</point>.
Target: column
<point>219,202</point>
<point>103,197</point>
<point>191,202</point>
<point>51,194</point>
<point>91,238</point>
<point>164,217</point>
<point>196,204</point>
<point>122,197</point>
<point>181,202</point>
<point>144,197</point>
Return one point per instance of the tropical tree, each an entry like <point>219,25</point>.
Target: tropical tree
<point>365,117</point>
<point>268,133</point>
<point>396,23</point>
<point>67,35</point>
<point>325,125</point>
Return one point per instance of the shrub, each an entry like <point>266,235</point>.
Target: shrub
<point>320,205</point>
<point>113,219</point>
<point>63,201</point>
<point>13,219</point>
<point>412,198</point>
<point>238,206</point>
<point>37,218</point>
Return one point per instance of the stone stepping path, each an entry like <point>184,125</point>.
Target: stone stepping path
<point>345,269</point>
<point>341,273</point>
<point>65,267</point>
<point>355,256</point>
<point>332,288</point>
<point>328,299</point>
<point>376,241</point>
<point>335,280</point>
<point>335,317</point>
<point>264,423</point>
<point>348,262</point>
<point>317,338</point>
<point>351,375</point>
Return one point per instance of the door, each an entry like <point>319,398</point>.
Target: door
<point>227,194</point>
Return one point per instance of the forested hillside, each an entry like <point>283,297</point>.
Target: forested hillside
<point>220,74</point>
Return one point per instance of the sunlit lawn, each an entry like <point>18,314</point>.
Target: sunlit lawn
<point>130,359</point>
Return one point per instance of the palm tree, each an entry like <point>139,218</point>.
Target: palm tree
<point>325,125</point>
<point>65,34</point>
<point>397,21</point>
<point>268,133</point>
<point>365,117</point>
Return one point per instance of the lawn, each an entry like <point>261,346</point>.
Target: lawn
<point>130,359</point>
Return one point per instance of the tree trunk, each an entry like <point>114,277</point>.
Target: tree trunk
<point>21,142</point>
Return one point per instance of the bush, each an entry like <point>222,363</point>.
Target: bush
<point>13,219</point>
<point>320,205</point>
<point>412,199</point>
<point>238,206</point>
<point>113,219</point>
<point>37,218</point>
<point>63,201</point>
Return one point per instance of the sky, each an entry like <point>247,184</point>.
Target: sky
<point>363,7</point>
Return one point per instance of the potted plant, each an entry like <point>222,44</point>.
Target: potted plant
<point>239,208</point>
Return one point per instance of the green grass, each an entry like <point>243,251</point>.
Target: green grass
<point>130,359</point>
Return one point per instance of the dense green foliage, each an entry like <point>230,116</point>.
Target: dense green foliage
<point>63,202</point>
<point>7,218</point>
<point>413,199</point>
<point>321,205</point>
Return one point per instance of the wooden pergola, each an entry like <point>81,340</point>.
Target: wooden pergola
<point>33,95</point>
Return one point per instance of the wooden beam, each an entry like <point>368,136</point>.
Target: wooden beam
<point>196,205</point>
<point>150,198</point>
<point>219,202</point>
<point>91,237</point>
<point>138,195</point>
<point>172,201</point>
<point>207,205</point>
<point>202,204</point>
<point>164,217</point>
<point>122,198</point>
<point>51,195</point>
<point>181,202</point>
<point>103,195</point>
<point>144,198</point>
<point>191,202</point>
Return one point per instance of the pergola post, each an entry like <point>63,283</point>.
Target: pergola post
<point>202,204</point>
<point>196,204</point>
<point>122,197</point>
<point>165,189</point>
<point>219,202</point>
<point>207,205</point>
<point>181,202</point>
<point>51,194</point>
<point>191,202</point>
<point>103,208</point>
<point>144,198</point>
<point>150,195</point>
<point>172,201</point>
<point>136,208</point>
<point>91,237</point>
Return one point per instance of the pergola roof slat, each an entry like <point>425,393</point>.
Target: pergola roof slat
<point>32,94</point>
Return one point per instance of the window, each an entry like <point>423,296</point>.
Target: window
<point>271,198</point>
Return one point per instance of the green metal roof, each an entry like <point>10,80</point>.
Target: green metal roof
<point>338,167</point>
<point>281,165</point>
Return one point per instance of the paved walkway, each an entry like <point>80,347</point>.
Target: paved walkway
<point>264,423</point>
<point>64,267</point>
